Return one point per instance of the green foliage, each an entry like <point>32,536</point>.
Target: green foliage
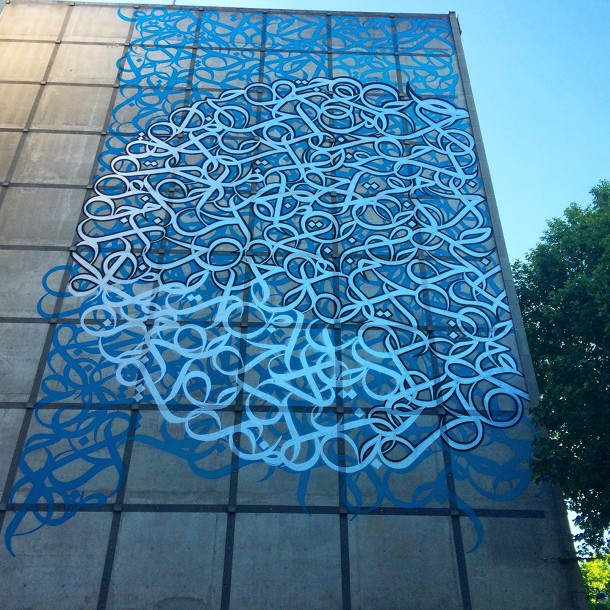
<point>596,577</point>
<point>564,291</point>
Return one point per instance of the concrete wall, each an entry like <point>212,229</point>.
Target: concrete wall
<point>189,420</point>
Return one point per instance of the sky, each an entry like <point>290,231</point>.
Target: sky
<point>540,74</point>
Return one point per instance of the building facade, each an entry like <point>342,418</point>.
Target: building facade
<point>260,345</point>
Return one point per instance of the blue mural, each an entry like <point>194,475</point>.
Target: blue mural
<point>301,235</point>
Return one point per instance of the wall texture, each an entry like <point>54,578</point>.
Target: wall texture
<point>259,344</point>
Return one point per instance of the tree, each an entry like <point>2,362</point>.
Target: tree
<point>564,292</point>
<point>595,577</point>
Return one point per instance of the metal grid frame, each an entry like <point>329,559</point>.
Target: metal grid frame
<point>232,508</point>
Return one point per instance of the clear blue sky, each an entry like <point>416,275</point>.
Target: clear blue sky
<point>540,72</point>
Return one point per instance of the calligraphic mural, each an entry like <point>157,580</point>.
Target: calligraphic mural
<point>288,254</point>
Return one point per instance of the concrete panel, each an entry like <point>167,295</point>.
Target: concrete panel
<point>226,69</point>
<point>361,33</point>
<point>32,21</point>
<point>10,424</point>
<point>71,108</point>
<point>97,24</point>
<point>72,304</point>
<point>498,471</point>
<point>23,208</point>
<point>20,350</point>
<point>24,61</point>
<point>171,480</point>
<point>260,484</point>
<point>112,145</point>
<point>155,67</point>
<point>519,564</point>
<point>15,104</point>
<point>8,145</point>
<point>403,562</point>
<point>432,35</point>
<point>62,570</point>
<point>298,64</point>
<point>424,480</point>
<point>22,274</point>
<point>381,68</point>
<point>286,561</point>
<point>80,460</point>
<point>86,64</point>
<point>168,561</point>
<point>436,75</point>
<point>231,29</point>
<point>78,373</point>
<point>305,32</point>
<point>158,32</point>
<point>56,159</point>
<point>135,108</point>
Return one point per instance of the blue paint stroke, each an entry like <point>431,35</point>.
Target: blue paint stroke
<point>75,449</point>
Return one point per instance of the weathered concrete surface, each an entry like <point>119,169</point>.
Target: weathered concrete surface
<point>35,578</point>
<point>168,560</point>
<point>10,425</point>
<point>20,350</point>
<point>15,104</point>
<point>21,287</point>
<point>171,480</point>
<point>72,108</point>
<point>24,61</point>
<point>8,146</point>
<point>97,24</point>
<point>56,158</point>
<point>23,208</point>
<point>86,64</point>
<point>520,564</point>
<point>286,561</point>
<point>403,562</point>
<point>27,21</point>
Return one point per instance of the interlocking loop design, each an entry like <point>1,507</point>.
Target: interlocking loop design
<point>348,227</point>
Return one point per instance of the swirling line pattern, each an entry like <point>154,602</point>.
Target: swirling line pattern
<point>300,65</point>
<point>298,32</point>
<point>225,29</point>
<point>427,36</point>
<point>160,63</point>
<point>158,27</point>
<point>354,34</point>
<point>300,206</point>
<point>73,449</point>
<point>227,69</point>
<point>156,67</point>
<point>431,73</point>
<point>410,250</point>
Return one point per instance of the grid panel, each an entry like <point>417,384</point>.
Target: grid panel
<point>213,51</point>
